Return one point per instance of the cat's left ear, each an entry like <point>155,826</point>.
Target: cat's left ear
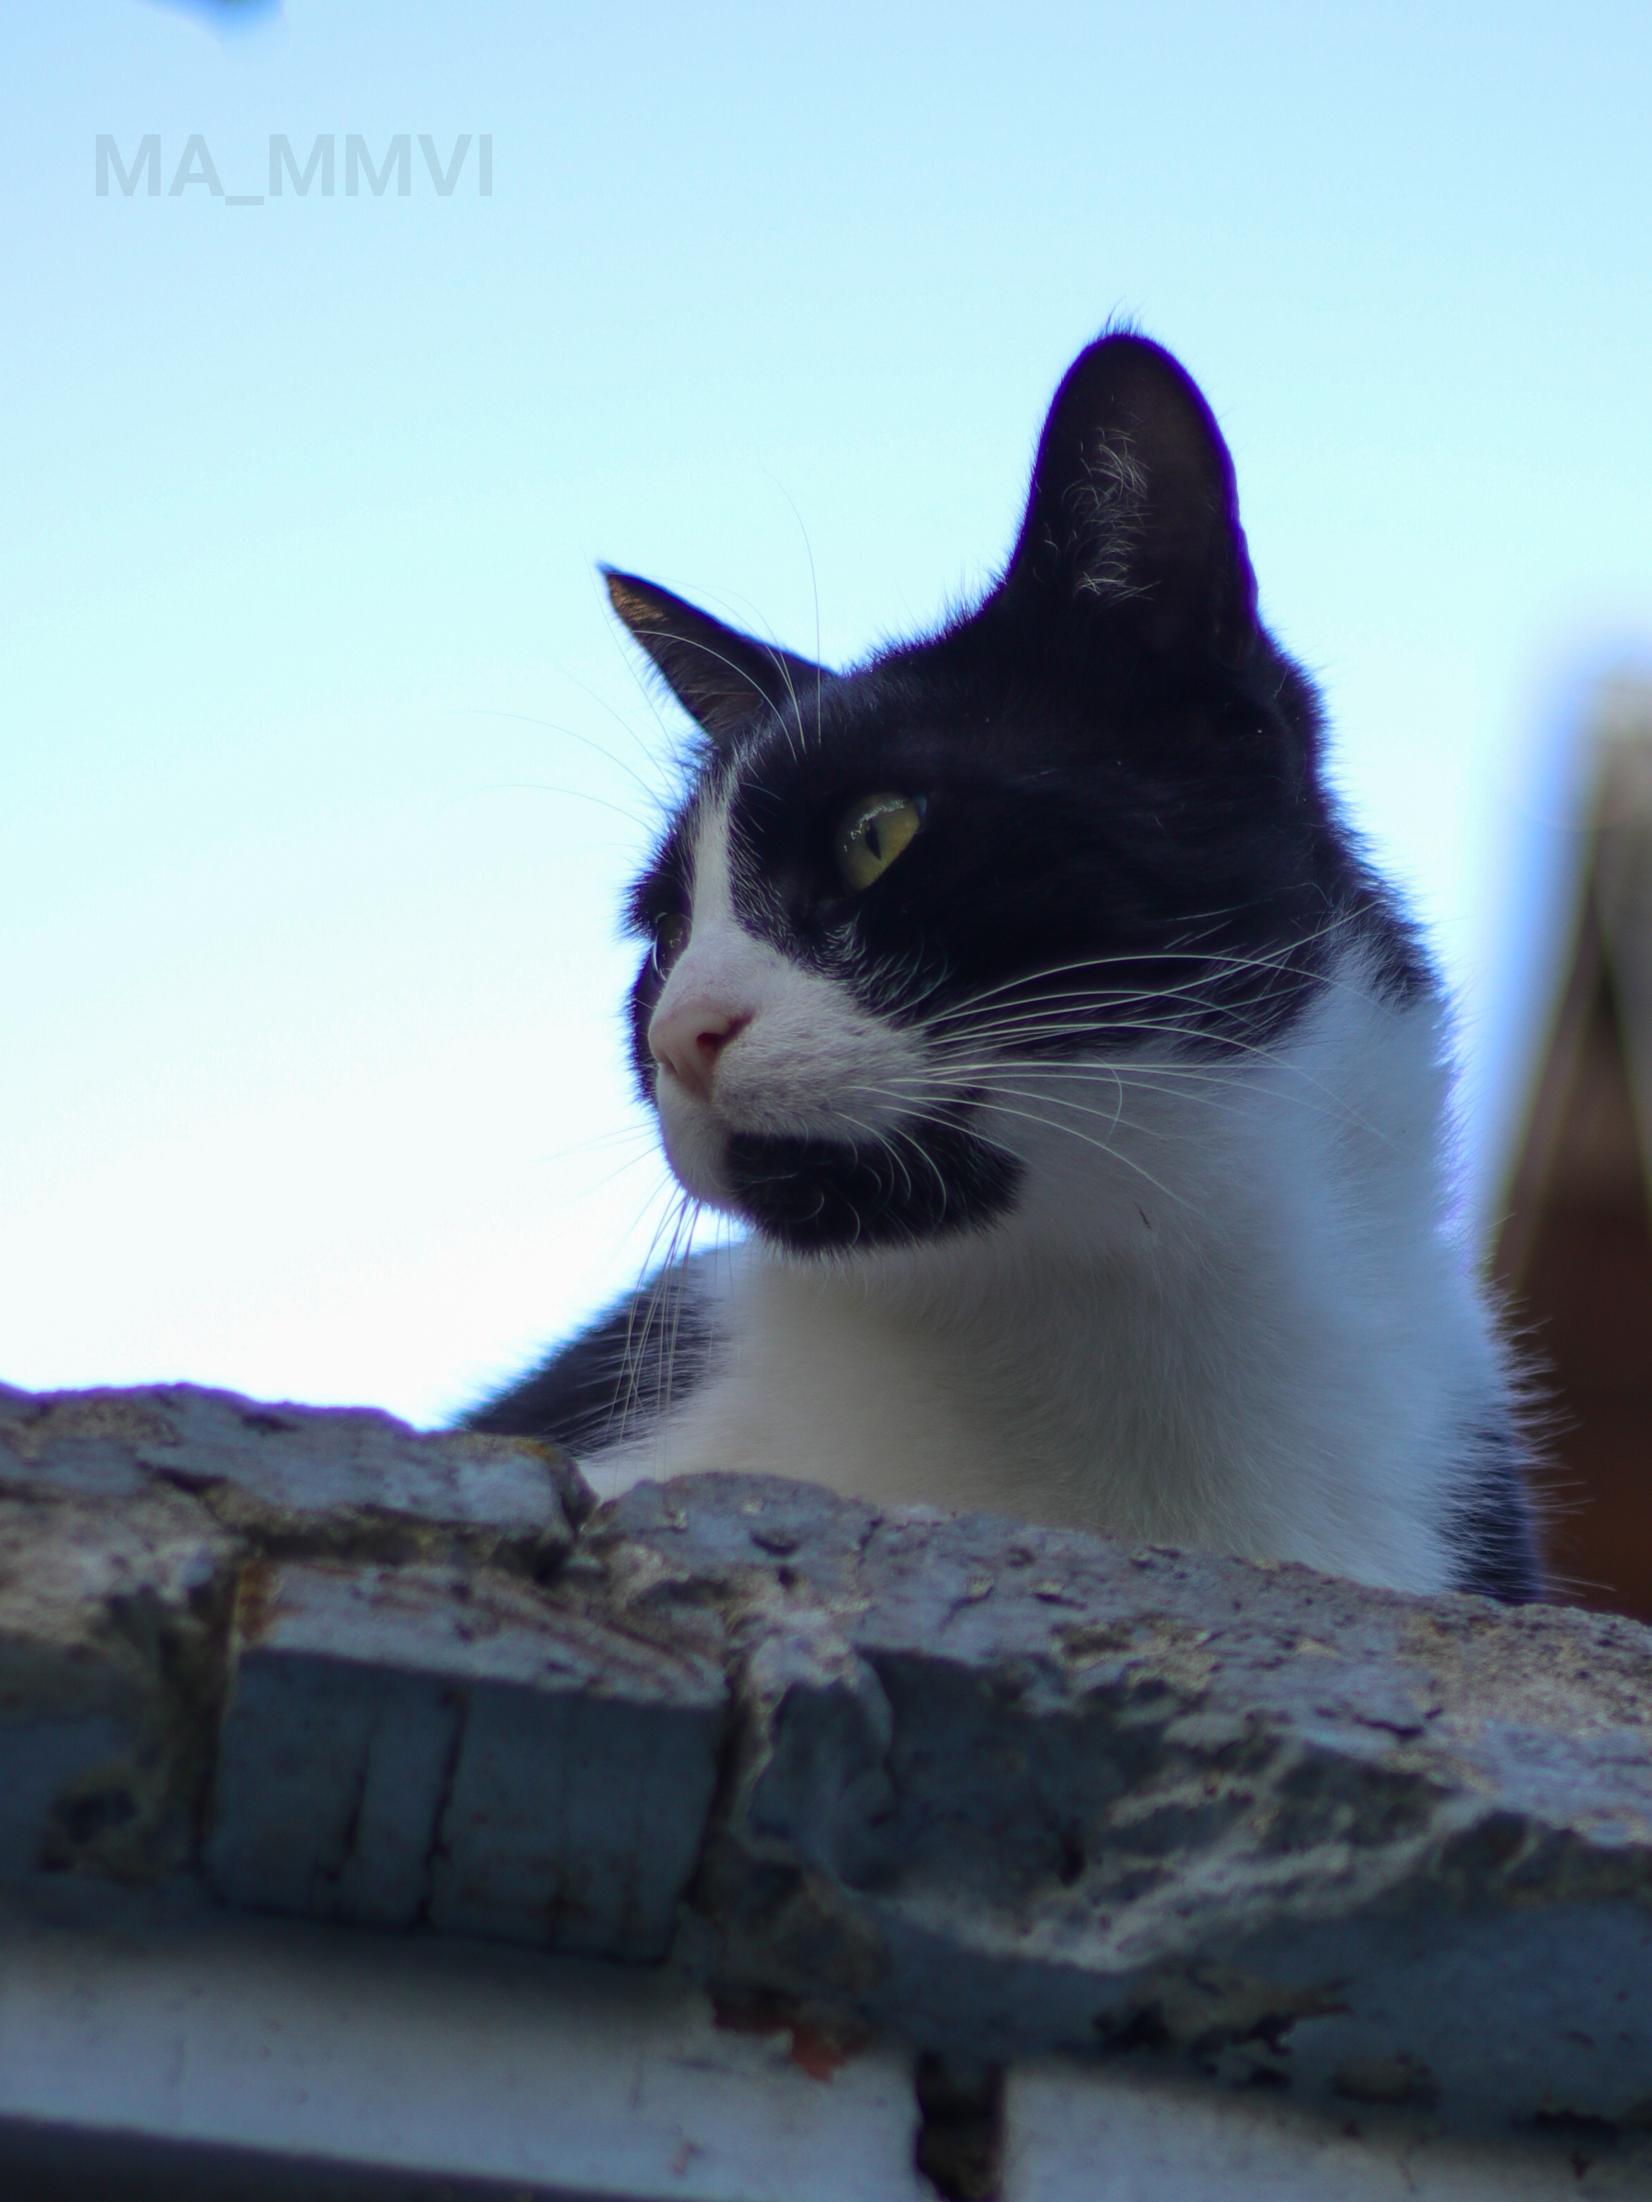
<point>1133,507</point>
<point>722,678</point>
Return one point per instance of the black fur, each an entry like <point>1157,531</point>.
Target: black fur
<point>1124,815</point>
<point>649,1347</point>
<point>1120,770</point>
<point>1497,1531</point>
<point>813,1195</point>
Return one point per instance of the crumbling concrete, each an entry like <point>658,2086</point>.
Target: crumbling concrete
<point>1000,1793</point>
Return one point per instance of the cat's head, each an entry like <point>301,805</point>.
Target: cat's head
<point>917,923</point>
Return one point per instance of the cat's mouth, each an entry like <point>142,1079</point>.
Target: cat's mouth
<point>814,1195</point>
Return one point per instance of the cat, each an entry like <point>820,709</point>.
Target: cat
<point>1081,1086</point>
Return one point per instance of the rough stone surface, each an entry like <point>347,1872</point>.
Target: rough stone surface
<point>998,1791</point>
<point>351,1482</point>
<point>409,1743</point>
<point>111,1668</point>
<point>1002,1787</point>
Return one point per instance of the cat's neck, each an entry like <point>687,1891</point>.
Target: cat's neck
<point>1250,1356</point>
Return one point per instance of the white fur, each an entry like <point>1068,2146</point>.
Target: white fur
<point>1238,1322</point>
<point>810,1062</point>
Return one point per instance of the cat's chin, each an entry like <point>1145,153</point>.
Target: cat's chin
<point>818,1196</point>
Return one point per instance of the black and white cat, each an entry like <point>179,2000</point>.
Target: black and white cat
<point>1081,1087</point>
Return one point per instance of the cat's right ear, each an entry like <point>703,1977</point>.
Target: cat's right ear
<point>722,678</point>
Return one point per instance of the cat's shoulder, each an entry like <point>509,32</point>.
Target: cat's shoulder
<point>617,1375</point>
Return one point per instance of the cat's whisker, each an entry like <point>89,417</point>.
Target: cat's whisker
<point>1138,1072</point>
<point>689,1216</point>
<point>1131,1027</point>
<point>616,1136</point>
<point>886,1141</point>
<point>1224,1078</point>
<point>814,589</point>
<point>912,1104</point>
<point>999,1108</point>
<point>880,1139</point>
<point>1065,1011</point>
<point>649,753</point>
<point>1271,1056</point>
<point>576,795</point>
<point>1277,962</point>
<point>1116,1121</point>
<point>631,1162</point>
<point>1013,1036</point>
<point>1091,1039</point>
<point>928,1160</point>
<point>681,639</point>
<point>627,1395</point>
<point>1203,988</point>
<point>658,798</point>
<point>1223,1074</point>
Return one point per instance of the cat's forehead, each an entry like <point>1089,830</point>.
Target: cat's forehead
<point>887,723</point>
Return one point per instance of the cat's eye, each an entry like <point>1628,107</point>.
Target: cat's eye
<point>670,939</point>
<point>872,832</point>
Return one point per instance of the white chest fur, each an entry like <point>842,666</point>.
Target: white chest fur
<point>1243,1326</point>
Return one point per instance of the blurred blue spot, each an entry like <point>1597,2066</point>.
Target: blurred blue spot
<point>223,14</point>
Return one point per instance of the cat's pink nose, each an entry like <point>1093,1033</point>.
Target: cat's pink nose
<point>688,1040</point>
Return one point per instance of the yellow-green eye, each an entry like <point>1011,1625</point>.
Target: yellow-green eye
<point>872,833</point>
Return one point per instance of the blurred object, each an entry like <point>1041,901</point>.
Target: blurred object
<point>223,14</point>
<point>1574,1252</point>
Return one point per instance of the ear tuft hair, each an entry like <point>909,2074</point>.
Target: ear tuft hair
<point>1133,506</point>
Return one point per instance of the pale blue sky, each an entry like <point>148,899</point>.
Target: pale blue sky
<point>319,773</point>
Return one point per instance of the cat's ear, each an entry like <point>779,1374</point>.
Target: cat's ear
<point>1133,507</point>
<point>722,678</point>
